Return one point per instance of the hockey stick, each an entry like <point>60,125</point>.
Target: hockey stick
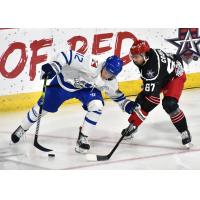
<point>93,157</point>
<point>36,144</point>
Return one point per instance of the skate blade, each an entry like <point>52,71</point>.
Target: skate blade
<point>128,137</point>
<point>81,150</point>
<point>189,145</point>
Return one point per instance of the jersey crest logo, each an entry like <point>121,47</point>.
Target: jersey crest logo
<point>150,74</point>
<point>188,42</point>
<point>94,63</point>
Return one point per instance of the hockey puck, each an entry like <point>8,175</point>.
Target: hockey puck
<point>51,155</point>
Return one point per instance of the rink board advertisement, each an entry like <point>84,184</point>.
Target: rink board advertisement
<point>23,51</point>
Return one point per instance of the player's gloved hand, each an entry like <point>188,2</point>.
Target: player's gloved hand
<point>129,106</point>
<point>49,70</point>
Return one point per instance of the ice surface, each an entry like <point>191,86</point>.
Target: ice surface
<point>155,146</point>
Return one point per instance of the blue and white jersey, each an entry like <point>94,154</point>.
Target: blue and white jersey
<point>81,71</point>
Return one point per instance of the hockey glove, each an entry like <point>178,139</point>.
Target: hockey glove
<point>50,70</point>
<point>129,106</point>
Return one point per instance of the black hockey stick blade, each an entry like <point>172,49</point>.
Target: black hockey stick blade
<point>93,157</point>
<point>40,147</point>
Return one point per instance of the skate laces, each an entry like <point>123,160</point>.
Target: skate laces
<point>131,127</point>
<point>20,132</point>
<point>84,139</point>
<point>184,135</point>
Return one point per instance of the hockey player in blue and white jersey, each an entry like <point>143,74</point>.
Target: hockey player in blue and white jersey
<point>75,76</point>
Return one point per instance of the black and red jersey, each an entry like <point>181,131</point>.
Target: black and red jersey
<point>159,69</point>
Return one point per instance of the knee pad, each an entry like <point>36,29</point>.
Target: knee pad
<point>95,105</point>
<point>170,104</point>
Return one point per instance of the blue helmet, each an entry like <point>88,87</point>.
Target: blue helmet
<point>113,65</point>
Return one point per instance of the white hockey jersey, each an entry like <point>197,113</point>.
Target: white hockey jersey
<point>82,72</point>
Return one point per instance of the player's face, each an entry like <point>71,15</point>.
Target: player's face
<point>106,75</point>
<point>138,59</point>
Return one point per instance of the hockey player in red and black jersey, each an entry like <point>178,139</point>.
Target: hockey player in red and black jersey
<point>160,72</point>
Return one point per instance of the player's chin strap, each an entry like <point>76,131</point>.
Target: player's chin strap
<point>36,144</point>
<point>145,59</point>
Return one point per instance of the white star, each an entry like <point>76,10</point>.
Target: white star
<point>193,43</point>
<point>150,74</point>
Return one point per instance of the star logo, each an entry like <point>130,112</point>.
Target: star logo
<point>150,74</point>
<point>187,43</point>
